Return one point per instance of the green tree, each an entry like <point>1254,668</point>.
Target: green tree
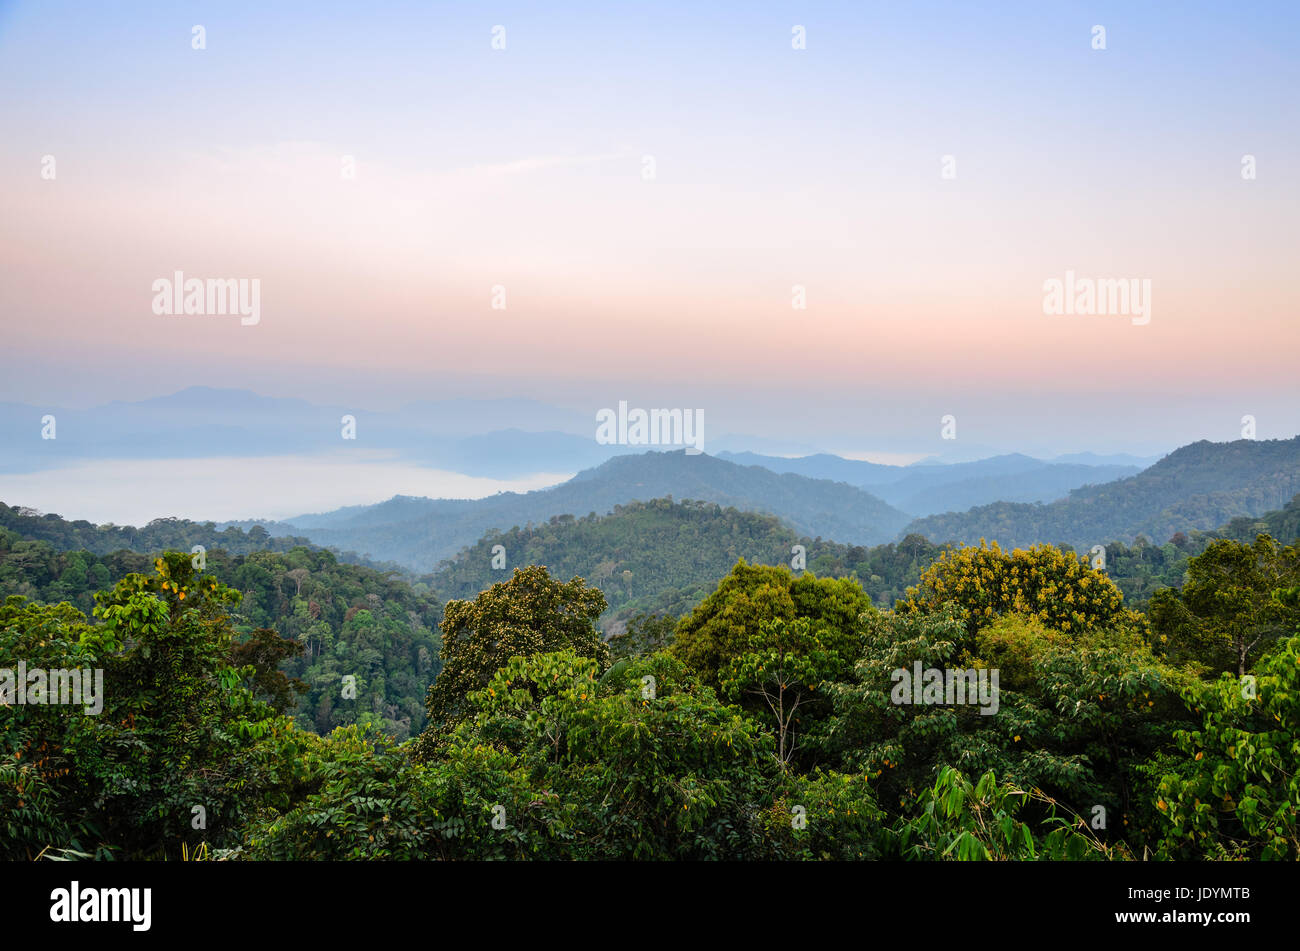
<point>551,761</point>
<point>644,634</point>
<point>181,752</point>
<point>1225,617</point>
<point>827,816</point>
<point>720,628</point>
<point>1076,717</point>
<point>530,614</point>
<point>38,786</point>
<point>785,663</point>
<point>981,822</point>
<point>1235,791</point>
<point>651,763</point>
<point>264,650</point>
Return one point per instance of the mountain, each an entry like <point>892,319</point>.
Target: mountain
<point>821,466</point>
<point>498,438</point>
<point>195,422</point>
<point>928,488</point>
<point>162,534</point>
<point>418,532</point>
<point>348,618</point>
<point>1283,524</point>
<point>636,555</point>
<point>662,557</point>
<point>659,557</point>
<point>1198,487</point>
<point>934,489</point>
<point>1110,459</point>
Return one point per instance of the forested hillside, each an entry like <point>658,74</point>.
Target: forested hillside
<point>1198,487</point>
<point>419,533</point>
<point>661,557</point>
<point>653,562</point>
<point>347,619</point>
<point>656,557</point>
<point>161,533</point>
<point>634,555</point>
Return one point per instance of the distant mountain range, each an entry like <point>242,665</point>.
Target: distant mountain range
<point>1081,499</point>
<point>419,533</point>
<point>925,489</point>
<point>653,554</point>
<point>501,438</point>
<point>1200,486</point>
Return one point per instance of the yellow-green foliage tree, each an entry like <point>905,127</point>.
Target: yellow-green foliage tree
<point>720,628</point>
<point>1041,582</point>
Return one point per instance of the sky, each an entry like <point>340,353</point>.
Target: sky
<point>522,172</point>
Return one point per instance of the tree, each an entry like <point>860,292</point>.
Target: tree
<point>645,634</point>
<point>530,614</point>
<point>1074,716</point>
<point>640,763</point>
<point>178,735</point>
<point>1042,582</point>
<point>38,792</point>
<point>785,663</point>
<point>1225,617</point>
<point>1235,792</point>
<point>980,822</point>
<point>552,761</point>
<point>362,798</point>
<point>298,576</point>
<point>179,729</point>
<point>264,650</point>
<point>720,628</point>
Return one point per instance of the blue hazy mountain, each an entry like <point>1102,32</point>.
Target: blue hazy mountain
<point>1199,486</point>
<point>419,532</point>
<point>930,488</point>
<point>498,438</point>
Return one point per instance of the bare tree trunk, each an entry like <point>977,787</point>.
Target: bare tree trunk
<point>781,724</point>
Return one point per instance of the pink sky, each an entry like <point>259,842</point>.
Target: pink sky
<point>772,171</point>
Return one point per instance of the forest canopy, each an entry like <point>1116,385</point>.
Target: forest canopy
<point>759,725</point>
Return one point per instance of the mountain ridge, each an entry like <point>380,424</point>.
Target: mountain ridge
<point>1198,487</point>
